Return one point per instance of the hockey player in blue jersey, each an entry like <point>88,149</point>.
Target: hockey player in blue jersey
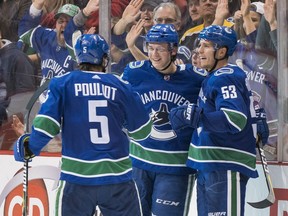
<point>97,113</point>
<point>222,148</point>
<point>159,162</point>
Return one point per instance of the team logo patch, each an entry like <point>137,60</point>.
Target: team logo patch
<point>136,64</point>
<point>160,119</point>
<point>224,70</point>
<point>167,77</point>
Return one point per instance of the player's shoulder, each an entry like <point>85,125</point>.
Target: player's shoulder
<point>137,70</point>
<point>188,72</point>
<point>229,70</point>
<point>138,65</point>
<point>228,74</point>
<point>61,77</point>
<point>196,71</point>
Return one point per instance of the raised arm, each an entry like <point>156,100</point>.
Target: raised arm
<point>270,16</point>
<point>32,18</point>
<point>131,37</point>
<point>270,13</point>
<point>222,12</point>
<point>245,10</point>
<point>129,16</point>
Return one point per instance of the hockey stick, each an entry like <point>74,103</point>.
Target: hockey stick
<point>29,107</point>
<point>271,196</point>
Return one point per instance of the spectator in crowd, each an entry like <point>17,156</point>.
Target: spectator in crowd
<point>165,13</point>
<point>211,12</point>
<point>11,12</point>
<point>50,43</point>
<point>17,126</point>
<point>117,8</point>
<point>195,15</point>
<point>192,17</point>
<point>247,19</point>
<point>18,82</point>
<point>246,23</point>
<point>267,64</point>
<point>95,169</point>
<point>159,162</point>
<point>222,148</point>
<point>268,24</point>
<point>50,9</point>
<point>135,9</point>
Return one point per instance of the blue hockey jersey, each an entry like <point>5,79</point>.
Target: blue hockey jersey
<point>55,59</point>
<point>164,151</point>
<point>225,138</point>
<point>96,113</point>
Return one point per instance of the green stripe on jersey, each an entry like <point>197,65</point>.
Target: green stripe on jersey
<point>158,157</point>
<point>222,155</point>
<point>95,168</point>
<point>237,119</point>
<point>142,132</point>
<point>47,124</point>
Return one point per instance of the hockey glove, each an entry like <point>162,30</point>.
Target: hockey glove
<point>262,126</point>
<point>21,149</point>
<point>185,116</point>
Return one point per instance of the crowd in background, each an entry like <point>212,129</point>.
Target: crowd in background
<point>36,43</point>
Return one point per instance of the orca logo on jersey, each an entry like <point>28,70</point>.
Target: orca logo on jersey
<point>160,121</point>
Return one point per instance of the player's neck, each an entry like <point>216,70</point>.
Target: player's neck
<point>169,70</point>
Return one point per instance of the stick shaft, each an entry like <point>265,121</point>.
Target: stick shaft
<point>25,189</point>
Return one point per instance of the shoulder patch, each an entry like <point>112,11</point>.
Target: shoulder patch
<point>224,70</point>
<point>200,71</point>
<point>136,64</point>
<point>184,51</point>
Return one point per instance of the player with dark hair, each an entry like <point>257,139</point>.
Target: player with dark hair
<point>222,148</point>
<point>97,114</point>
<point>165,182</point>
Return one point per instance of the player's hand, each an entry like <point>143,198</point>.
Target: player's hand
<point>185,116</point>
<point>21,149</point>
<point>262,126</point>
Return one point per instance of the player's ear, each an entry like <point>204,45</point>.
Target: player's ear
<point>222,52</point>
<point>174,50</point>
<point>105,61</point>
